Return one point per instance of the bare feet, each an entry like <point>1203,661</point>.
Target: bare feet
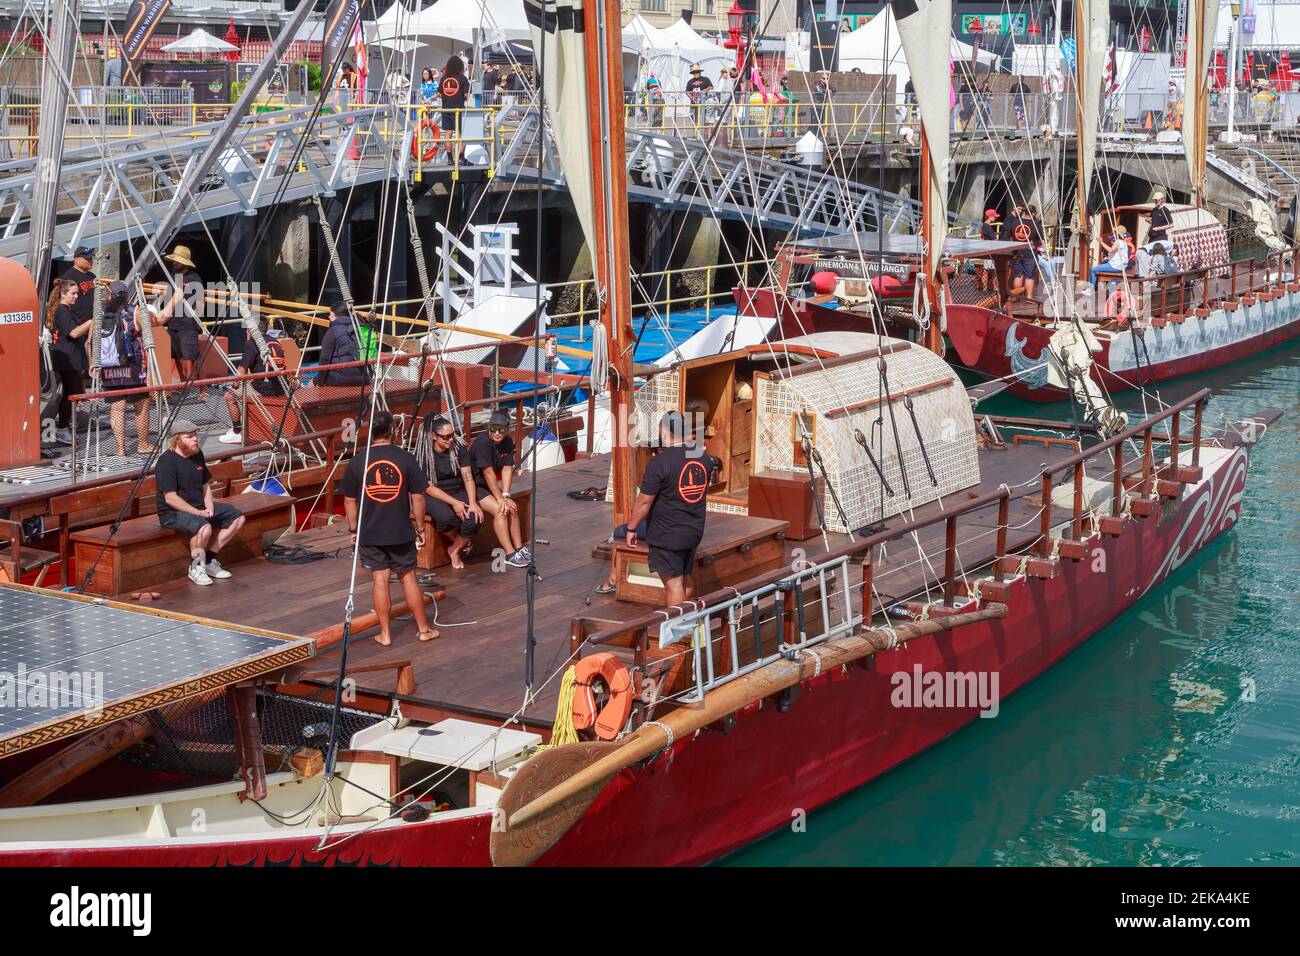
<point>430,635</point>
<point>383,640</point>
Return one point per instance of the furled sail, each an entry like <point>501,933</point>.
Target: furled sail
<point>564,83</point>
<point>925,29</point>
<point>1204,15</point>
<point>1092,41</point>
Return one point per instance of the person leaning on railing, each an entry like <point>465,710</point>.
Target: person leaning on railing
<point>342,345</point>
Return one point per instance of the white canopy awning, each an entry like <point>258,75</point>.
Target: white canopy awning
<point>200,41</point>
<point>877,48</point>
<point>668,54</point>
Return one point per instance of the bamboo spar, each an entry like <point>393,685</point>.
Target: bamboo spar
<point>530,832</point>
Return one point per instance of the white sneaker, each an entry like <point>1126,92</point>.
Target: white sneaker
<point>231,437</point>
<point>63,436</point>
<point>198,575</point>
<point>215,570</point>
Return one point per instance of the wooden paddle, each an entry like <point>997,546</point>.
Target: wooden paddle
<point>554,788</point>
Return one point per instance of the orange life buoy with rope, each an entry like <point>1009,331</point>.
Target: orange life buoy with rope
<point>608,670</point>
<point>1119,306</point>
<point>430,133</point>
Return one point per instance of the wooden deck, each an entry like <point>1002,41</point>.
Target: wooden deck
<point>477,666</point>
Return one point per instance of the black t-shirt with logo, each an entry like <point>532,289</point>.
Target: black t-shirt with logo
<point>678,478</point>
<point>387,483</point>
<point>84,307</point>
<point>484,453</point>
<point>698,84</point>
<point>252,360</point>
<point>185,476</point>
<point>453,90</point>
<point>70,353</point>
<point>1160,216</point>
<point>1009,227</point>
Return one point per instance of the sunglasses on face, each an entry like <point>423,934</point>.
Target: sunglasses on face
<point>497,429</point>
<point>446,437</point>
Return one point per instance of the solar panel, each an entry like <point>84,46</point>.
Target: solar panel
<point>68,664</point>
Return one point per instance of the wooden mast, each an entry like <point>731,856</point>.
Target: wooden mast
<point>933,333</point>
<point>1081,40</point>
<point>602,40</point>
<point>1201,105</point>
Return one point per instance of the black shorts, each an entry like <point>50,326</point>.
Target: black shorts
<point>444,516</point>
<point>389,557</point>
<point>672,564</point>
<point>1024,267</point>
<point>223,516</point>
<point>185,344</point>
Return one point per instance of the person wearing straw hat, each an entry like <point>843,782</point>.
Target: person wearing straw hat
<point>186,506</point>
<point>698,83</point>
<point>186,304</point>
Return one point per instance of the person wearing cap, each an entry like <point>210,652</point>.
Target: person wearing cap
<point>988,231</point>
<point>1159,234</point>
<point>83,260</point>
<point>654,96</point>
<point>492,459</point>
<point>186,302</point>
<point>122,363</point>
<point>673,501</point>
<point>250,363</point>
<point>186,506</point>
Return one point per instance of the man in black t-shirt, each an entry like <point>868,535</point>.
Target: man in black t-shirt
<point>185,502</point>
<point>452,498</point>
<point>492,458</point>
<point>250,363</point>
<point>82,262</point>
<point>673,500</point>
<point>388,525</point>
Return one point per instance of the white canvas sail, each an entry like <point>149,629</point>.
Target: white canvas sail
<point>564,85</point>
<point>1092,41</point>
<point>1200,46</point>
<point>925,29</point>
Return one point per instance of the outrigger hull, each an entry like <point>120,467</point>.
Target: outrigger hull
<point>719,790</point>
<point>1001,346</point>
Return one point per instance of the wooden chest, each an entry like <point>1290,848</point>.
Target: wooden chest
<point>734,549</point>
<point>787,496</point>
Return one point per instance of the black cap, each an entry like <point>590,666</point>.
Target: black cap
<point>499,418</point>
<point>83,252</point>
<point>116,289</point>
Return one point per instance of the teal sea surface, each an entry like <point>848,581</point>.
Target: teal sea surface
<point>1171,738</point>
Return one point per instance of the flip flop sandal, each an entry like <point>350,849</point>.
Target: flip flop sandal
<point>427,578</point>
<point>588,494</point>
<point>605,588</point>
<point>467,550</point>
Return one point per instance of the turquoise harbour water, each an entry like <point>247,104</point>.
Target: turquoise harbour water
<point>1149,722</point>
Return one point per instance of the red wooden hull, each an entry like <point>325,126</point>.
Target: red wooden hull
<point>998,345</point>
<point>715,792</point>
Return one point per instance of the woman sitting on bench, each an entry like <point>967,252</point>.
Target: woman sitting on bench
<point>452,500</point>
<point>492,457</point>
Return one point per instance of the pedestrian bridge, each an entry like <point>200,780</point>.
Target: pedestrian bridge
<point>119,188</point>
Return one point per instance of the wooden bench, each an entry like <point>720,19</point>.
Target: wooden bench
<point>143,553</point>
<point>734,549</point>
<point>434,553</point>
<point>91,507</point>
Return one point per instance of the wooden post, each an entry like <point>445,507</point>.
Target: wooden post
<point>1117,488</point>
<point>591,419</point>
<point>1196,434</point>
<point>868,601</point>
<point>329,468</point>
<point>1045,524</point>
<point>1003,505</point>
<point>950,561</point>
<point>1076,524</point>
<point>1146,462</point>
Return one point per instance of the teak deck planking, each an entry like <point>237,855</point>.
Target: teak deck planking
<point>478,662</point>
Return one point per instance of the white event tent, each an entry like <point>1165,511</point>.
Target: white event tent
<point>669,52</point>
<point>877,48</point>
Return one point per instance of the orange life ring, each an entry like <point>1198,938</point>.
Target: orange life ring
<point>1119,307</point>
<point>430,132</point>
<point>610,719</point>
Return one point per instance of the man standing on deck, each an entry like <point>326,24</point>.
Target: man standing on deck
<point>82,262</point>
<point>391,522</point>
<point>185,503</point>
<point>674,499</point>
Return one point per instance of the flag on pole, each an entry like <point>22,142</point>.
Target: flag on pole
<point>359,50</point>
<point>1109,77</point>
<point>340,17</point>
<point>1068,53</point>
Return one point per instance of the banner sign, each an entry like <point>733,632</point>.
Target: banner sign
<point>142,18</point>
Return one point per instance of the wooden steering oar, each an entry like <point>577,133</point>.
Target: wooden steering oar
<point>553,789</point>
